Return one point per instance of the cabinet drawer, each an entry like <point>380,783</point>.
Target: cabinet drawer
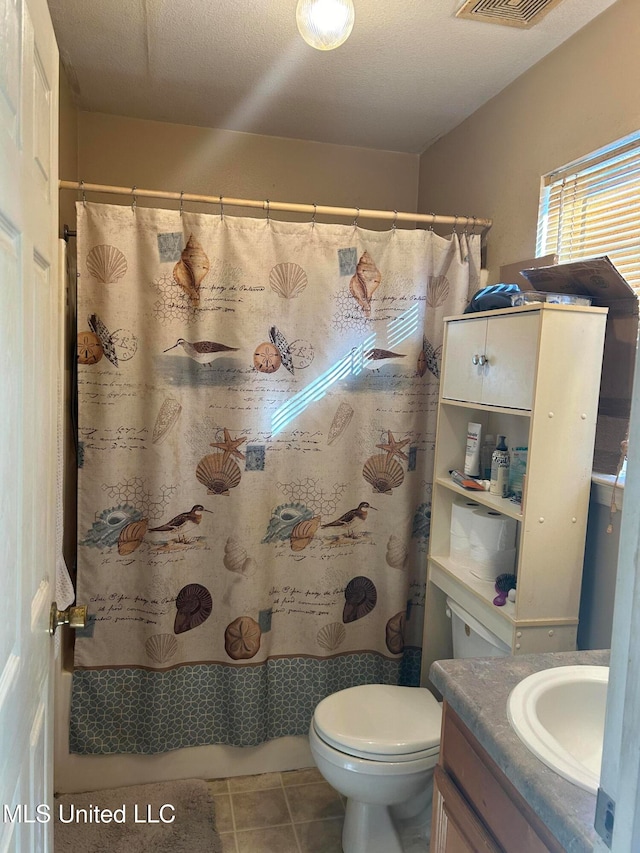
<point>504,812</point>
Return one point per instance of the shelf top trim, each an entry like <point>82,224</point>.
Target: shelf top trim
<point>533,306</point>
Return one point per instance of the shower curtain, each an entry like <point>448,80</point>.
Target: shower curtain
<point>257,405</point>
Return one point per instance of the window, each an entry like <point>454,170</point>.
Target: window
<point>592,207</point>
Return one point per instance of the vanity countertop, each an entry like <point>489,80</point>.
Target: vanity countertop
<point>477,690</point>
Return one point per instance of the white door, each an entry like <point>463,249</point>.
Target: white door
<point>29,323</point>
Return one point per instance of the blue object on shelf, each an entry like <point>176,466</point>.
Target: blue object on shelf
<point>492,297</point>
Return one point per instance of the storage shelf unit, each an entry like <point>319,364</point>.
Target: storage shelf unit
<point>539,387</point>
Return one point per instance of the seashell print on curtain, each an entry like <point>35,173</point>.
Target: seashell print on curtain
<point>257,404</point>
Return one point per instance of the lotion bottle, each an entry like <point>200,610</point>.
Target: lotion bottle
<point>500,463</point>
<point>472,453</point>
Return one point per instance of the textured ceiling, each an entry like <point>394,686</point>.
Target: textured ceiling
<point>410,72</point>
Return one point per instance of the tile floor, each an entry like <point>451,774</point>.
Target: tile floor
<point>292,812</point>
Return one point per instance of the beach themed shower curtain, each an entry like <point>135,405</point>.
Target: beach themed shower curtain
<point>257,404</point>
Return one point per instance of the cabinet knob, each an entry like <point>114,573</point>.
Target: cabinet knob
<point>475,359</point>
<point>482,360</point>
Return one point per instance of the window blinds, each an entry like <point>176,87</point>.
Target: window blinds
<point>592,208</point>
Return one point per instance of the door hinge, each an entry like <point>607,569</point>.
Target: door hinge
<point>605,816</point>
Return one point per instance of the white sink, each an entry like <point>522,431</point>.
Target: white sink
<point>559,715</point>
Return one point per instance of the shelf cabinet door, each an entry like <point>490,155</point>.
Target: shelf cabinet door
<point>462,379</point>
<point>512,350</point>
<point>510,343</point>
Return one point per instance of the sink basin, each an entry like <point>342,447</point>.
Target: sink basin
<point>559,714</point>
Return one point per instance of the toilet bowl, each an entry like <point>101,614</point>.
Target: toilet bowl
<point>377,745</point>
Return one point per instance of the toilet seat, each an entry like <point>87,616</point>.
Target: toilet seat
<point>381,722</point>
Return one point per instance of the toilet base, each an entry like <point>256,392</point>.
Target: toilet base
<point>369,829</point>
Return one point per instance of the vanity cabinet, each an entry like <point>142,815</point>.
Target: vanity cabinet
<point>539,387</point>
<point>455,826</point>
<point>476,809</point>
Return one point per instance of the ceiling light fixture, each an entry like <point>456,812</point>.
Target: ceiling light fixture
<point>325,24</point>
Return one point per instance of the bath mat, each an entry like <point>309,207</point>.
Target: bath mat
<point>158,818</point>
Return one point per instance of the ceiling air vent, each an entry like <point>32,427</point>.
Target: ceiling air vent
<point>511,13</point>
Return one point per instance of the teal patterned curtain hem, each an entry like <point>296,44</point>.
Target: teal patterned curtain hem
<point>147,712</point>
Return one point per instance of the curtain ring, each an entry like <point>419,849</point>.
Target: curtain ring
<point>395,220</point>
<point>84,197</point>
<point>356,217</point>
<point>134,201</point>
<point>181,202</point>
<point>268,211</point>
<point>473,227</point>
<point>433,221</point>
<point>221,209</point>
<point>313,218</point>
<point>455,224</point>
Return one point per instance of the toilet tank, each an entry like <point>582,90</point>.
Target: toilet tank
<point>470,638</point>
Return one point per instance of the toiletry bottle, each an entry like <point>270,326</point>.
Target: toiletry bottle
<point>500,463</point>
<point>488,446</point>
<point>472,453</point>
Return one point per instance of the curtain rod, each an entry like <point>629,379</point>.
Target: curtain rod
<point>356,212</point>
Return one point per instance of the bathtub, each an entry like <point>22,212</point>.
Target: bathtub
<point>73,773</point>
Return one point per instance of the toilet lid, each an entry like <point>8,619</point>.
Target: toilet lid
<point>381,720</point>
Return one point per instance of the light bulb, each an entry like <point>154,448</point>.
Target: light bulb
<point>325,24</point>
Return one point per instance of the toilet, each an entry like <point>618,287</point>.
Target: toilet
<point>377,745</point>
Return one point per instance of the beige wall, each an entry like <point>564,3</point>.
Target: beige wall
<point>582,96</point>
<point>158,155</point>
<point>68,153</point>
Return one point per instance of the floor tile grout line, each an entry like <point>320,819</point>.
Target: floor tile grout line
<point>235,840</point>
<point>268,826</point>
<point>233,818</point>
<point>281,785</point>
<point>256,790</point>
<point>293,826</point>
<point>318,820</point>
<point>286,823</point>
